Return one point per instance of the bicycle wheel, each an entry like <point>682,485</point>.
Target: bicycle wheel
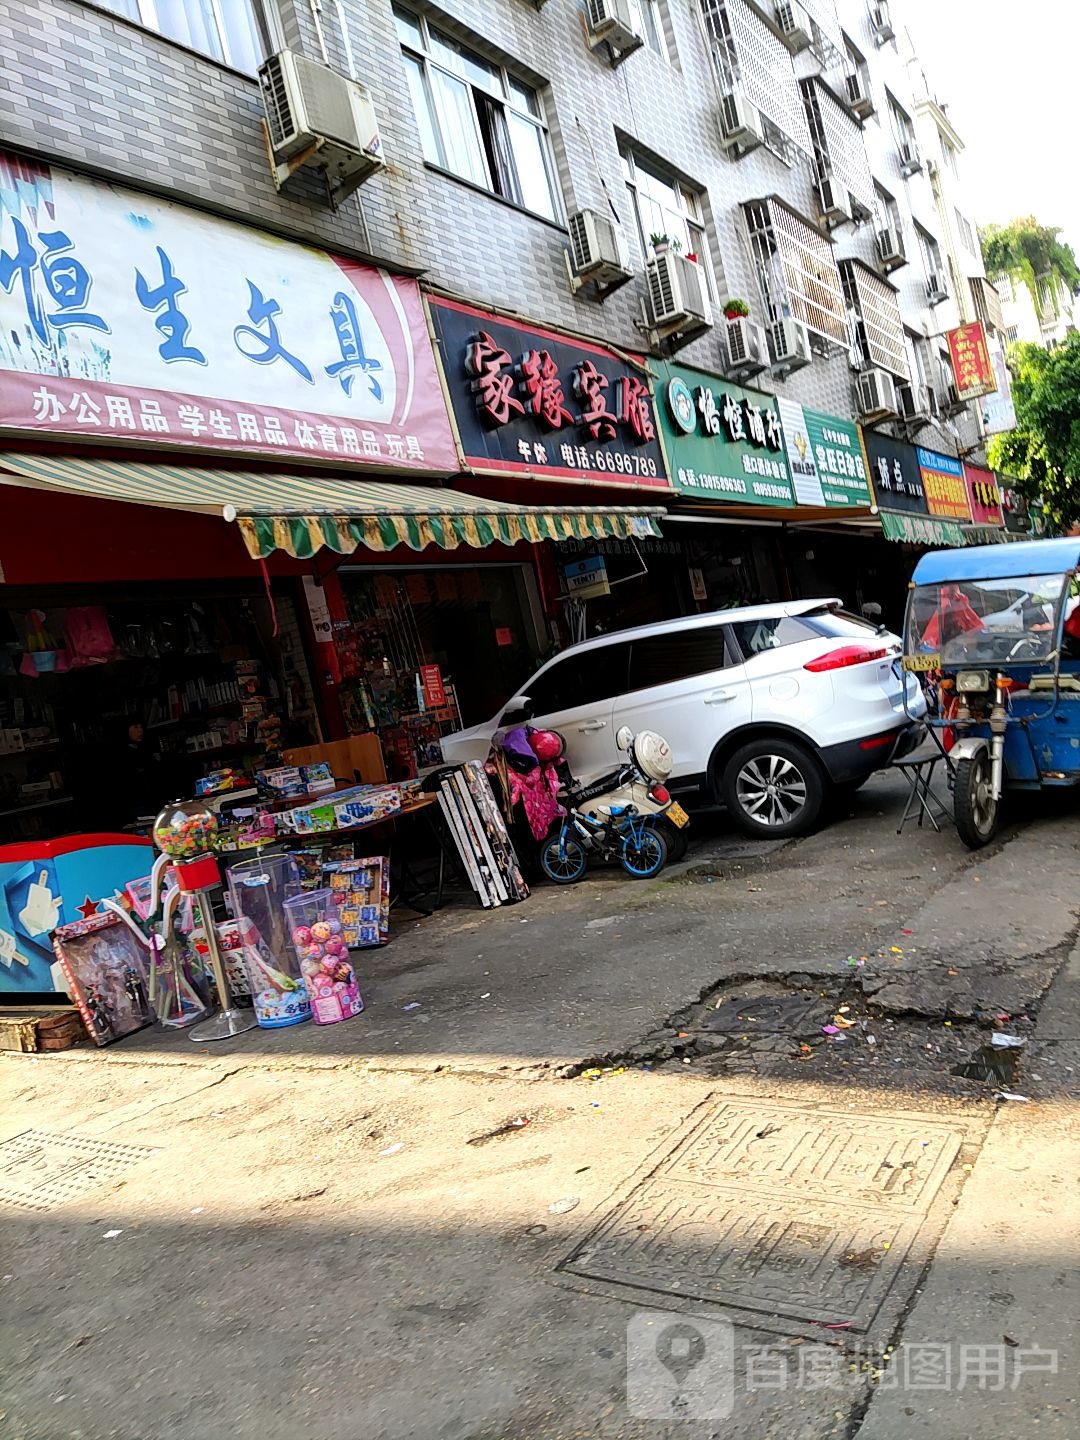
<point>644,853</point>
<point>563,859</point>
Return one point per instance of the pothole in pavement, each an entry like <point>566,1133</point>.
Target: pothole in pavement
<point>830,1028</point>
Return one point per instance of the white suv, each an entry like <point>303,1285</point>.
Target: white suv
<point>765,708</point>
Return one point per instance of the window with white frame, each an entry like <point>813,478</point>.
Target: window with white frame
<point>887,212</point>
<point>902,125</point>
<point>476,120</point>
<point>233,32</point>
<point>931,254</point>
<point>648,16</point>
<point>966,233</point>
<point>663,205</point>
<point>881,331</point>
<point>948,149</point>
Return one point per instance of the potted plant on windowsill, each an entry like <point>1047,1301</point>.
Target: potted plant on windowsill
<point>736,310</point>
<point>661,244</point>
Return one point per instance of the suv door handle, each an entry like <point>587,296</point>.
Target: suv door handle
<point>593,725</point>
<point>720,697</point>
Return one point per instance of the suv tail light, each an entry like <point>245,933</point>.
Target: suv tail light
<point>660,794</point>
<point>845,656</point>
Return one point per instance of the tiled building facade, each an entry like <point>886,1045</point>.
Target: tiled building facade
<point>499,120</point>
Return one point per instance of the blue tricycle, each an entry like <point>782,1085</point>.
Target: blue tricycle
<point>994,631</point>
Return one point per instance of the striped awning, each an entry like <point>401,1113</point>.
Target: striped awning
<point>301,514</point>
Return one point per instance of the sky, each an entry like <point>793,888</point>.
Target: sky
<point>1008,73</point>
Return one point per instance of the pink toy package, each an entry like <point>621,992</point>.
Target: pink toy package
<point>316,934</point>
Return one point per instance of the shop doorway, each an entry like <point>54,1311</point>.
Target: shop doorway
<point>433,648</point>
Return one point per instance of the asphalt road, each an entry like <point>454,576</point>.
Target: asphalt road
<point>344,1231</point>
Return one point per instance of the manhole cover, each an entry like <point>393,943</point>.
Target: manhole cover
<point>39,1171</point>
<point>804,1216</point>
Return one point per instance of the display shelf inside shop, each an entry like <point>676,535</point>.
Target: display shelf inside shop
<point>203,679</point>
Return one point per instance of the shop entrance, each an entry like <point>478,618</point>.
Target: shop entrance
<point>432,648</point>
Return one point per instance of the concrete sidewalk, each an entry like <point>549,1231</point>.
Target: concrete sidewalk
<point>1001,1305</point>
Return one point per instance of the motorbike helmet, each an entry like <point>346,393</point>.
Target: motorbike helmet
<point>652,755</point>
<point>547,745</point>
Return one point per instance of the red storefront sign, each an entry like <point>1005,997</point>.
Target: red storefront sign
<point>536,403</point>
<point>971,361</point>
<point>984,495</point>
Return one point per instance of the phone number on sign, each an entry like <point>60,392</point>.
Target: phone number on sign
<point>618,462</point>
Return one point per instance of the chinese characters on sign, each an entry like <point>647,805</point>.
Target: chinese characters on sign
<point>108,327</point>
<point>971,361</point>
<point>894,474</point>
<point>983,495</point>
<point>944,485</point>
<point>825,456</point>
<point>532,402</point>
<point>722,441</point>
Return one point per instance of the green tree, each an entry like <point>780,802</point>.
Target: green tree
<point>1027,251</point>
<point>1043,452</point>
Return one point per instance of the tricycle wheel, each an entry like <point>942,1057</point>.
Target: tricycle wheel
<point>974,807</point>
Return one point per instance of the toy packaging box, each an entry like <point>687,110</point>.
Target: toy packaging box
<point>361,891</point>
<point>104,965</point>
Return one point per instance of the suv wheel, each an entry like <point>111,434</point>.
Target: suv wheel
<point>773,788</point>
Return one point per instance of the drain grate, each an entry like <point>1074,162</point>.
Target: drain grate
<point>795,1217</point>
<point>40,1170</point>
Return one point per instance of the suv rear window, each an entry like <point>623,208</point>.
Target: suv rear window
<point>754,636</point>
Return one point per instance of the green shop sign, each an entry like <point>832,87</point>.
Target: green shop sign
<point>722,442</point>
<point>826,458</point>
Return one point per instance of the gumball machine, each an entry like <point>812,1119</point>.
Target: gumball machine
<point>186,831</point>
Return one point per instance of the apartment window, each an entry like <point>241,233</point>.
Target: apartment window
<point>477,121</point>
<point>231,31</point>
<point>665,206</point>
<point>949,152</point>
<point>650,26</point>
<point>967,235</point>
<point>903,129</point>
<point>1012,334</point>
<point>888,212</point>
<point>931,253</point>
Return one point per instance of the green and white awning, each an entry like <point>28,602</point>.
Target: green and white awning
<point>301,514</point>
<point>922,530</point>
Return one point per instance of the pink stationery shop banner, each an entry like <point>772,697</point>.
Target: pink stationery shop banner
<point>125,317</point>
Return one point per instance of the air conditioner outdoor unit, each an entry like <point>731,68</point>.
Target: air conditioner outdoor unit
<point>951,402</point>
<point>598,249</point>
<point>877,395</point>
<point>677,296</point>
<point>315,115</point>
<point>834,207</point>
<point>615,22</point>
<point>747,350</point>
<point>910,162</point>
<point>881,22</point>
<point>794,25</point>
<point>890,249</point>
<point>857,95</point>
<point>916,403</point>
<point>740,123</point>
<point>935,289</point>
<point>789,346</point>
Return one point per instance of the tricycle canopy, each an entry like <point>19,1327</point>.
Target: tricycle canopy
<point>998,562</point>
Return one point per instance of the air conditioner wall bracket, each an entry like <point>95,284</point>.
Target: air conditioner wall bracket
<point>283,171</point>
<point>595,290</point>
